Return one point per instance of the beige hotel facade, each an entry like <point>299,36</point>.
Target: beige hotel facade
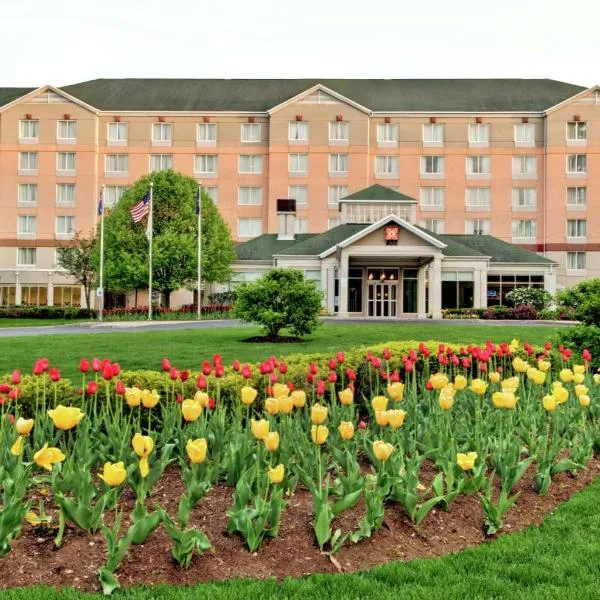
<point>515,159</point>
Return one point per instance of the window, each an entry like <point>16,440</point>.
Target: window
<point>432,165</point>
<point>524,229</point>
<point>576,131</point>
<point>577,163</point>
<point>432,198</point>
<point>250,132</point>
<point>386,165</point>
<point>477,226</point>
<point>206,134</point>
<point>333,222</point>
<point>500,285</point>
<point>299,193</point>
<point>29,130</point>
<point>524,198</point>
<point>298,163</point>
<point>28,193</point>
<point>112,195</point>
<point>338,163</point>
<point>34,295</point>
<point>66,130</point>
<point>67,296</point>
<point>26,257</point>
<point>213,193</point>
<point>205,164</point>
<point>477,198</point>
<point>458,289</point>
<point>116,163</point>
<point>479,134</point>
<point>249,227</point>
<point>65,226</point>
<point>525,134</point>
<point>117,133</point>
<point>433,134</point>
<point>250,163</point>
<point>336,193</point>
<point>298,131</point>
<point>577,197</point>
<point>478,165</point>
<point>387,134</point>
<point>28,161</point>
<point>8,295</point>
<point>65,194</point>
<point>576,261</point>
<point>339,131</point>
<point>301,225</point>
<point>250,195</point>
<point>65,161</point>
<point>576,228</point>
<point>433,225</point>
<point>161,162</point>
<point>26,225</point>
<point>524,167</point>
<point>162,133</point>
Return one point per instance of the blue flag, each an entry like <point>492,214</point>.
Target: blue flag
<point>197,200</point>
<point>100,204</point>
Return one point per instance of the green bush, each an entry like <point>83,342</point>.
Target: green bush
<point>45,312</point>
<point>584,300</point>
<point>539,298</point>
<point>580,338</point>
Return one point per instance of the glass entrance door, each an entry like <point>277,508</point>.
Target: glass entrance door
<point>382,299</point>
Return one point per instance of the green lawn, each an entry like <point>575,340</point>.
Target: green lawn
<point>560,560</point>
<point>186,348</point>
<point>38,322</point>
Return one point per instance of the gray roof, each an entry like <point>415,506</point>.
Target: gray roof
<point>9,94</point>
<point>378,192</point>
<point>265,246</point>
<point>429,95</point>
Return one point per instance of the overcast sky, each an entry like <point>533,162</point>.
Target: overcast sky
<point>66,41</point>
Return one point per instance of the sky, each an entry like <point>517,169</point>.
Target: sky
<point>65,41</point>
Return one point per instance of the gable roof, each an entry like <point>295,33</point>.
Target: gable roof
<point>378,192</point>
<point>265,246</point>
<point>9,94</point>
<point>318,244</point>
<point>385,95</point>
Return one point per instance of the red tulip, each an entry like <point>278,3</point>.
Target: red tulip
<point>291,386</point>
<point>362,425</point>
<point>283,368</point>
<point>350,374</point>
<point>173,374</point>
<point>120,388</point>
<point>376,362</point>
<point>412,355</point>
<point>387,354</point>
<point>321,387</point>
<point>38,369</point>
<point>15,378</point>
<point>55,374</point>
<point>11,419</point>
<point>547,346</point>
<point>428,386</point>
<point>96,366</point>
<point>91,388</point>
<point>482,366</point>
<point>586,355</point>
<point>454,360</point>
<point>395,377</point>
<point>206,368</point>
<point>273,362</point>
<point>84,365</point>
<point>449,351</point>
<point>332,363</point>
<point>166,364</point>
<point>116,369</point>
<point>265,367</point>
<point>4,388</point>
<point>246,372</point>
<point>310,378</point>
<point>219,371</point>
<point>408,366</point>
<point>217,360</point>
<point>312,368</point>
<point>369,356</point>
<point>236,365</point>
<point>184,375</point>
<point>107,372</point>
<point>45,364</point>
<point>273,377</point>
<point>2,400</point>
<point>14,393</point>
<point>201,382</point>
<point>179,398</point>
<point>332,377</point>
<point>466,362</point>
<point>383,375</point>
<point>340,358</point>
<point>212,403</point>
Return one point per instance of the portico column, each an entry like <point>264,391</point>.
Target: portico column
<point>344,263</point>
<point>435,288</point>
<point>325,287</point>
<point>550,281</point>
<point>17,289</point>
<point>50,293</point>
<point>331,290</point>
<point>421,293</point>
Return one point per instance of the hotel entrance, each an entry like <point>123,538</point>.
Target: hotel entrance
<point>391,292</point>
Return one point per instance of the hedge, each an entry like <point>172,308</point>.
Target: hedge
<point>45,312</point>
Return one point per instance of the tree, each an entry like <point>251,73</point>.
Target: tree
<point>175,227</point>
<point>78,261</point>
<point>584,299</point>
<point>281,298</point>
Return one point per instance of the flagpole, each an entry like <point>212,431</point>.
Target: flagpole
<point>150,233</point>
<point>199,211</point>
<point>101,297</point>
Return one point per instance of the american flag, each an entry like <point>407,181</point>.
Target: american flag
<point>141,209</point>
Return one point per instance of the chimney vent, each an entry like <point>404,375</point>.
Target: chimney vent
<point>117,119</point>
<point>576,118</point>
<point>339,117</point>
<point>433,119</point>
<point>524,119</point>
<point>206,119</point>
<point>387,119</point>
<point>286,218</point>
<point>478,120</point>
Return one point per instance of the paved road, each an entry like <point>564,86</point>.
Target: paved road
<point>132,326</point>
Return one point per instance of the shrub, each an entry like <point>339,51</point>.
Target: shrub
<point>282,298</point>
<point>584,300</point>
<point>45,312</point>
<point>526,312</point>
<point>582,337</point>
<point>223,297</point>
<point>539,298</point>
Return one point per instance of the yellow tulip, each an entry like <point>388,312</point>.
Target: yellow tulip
<point>438,381</point>
<point>144,467</point>
<point>133,396</point>
<point>466,461</point>
<point>318,414</point>
<point>549,402</point>
<point>584,400</point>
<point>190,409</point>
<point>201,398</point>
<point>579,369</point>
<point>513,346</point>
<point>346,396</point>
<point>382,450</point>
<point>478,386</point>
<point>580,390</point>
<point>379,403</point>
<point>561,394</point>
<point>248,395</point>
<point>17,448</point>
<point>597,378</point>
<point>196,450</point>
<point>460,382</point>
<point>299,398</point>
<point>396,418</point>
<point>142,445</point>
<point>46,457</point>
<point>286,404</point>
<point>319,434</point>
<point>494,377</point>
<point>65,417</point>
<point>259,429</point>
<point>381,418</point>
<point>24,426</point>
<point>150,398</point>
<point>520,365</point>
<point>566,375</point>
<point>539,377</point>
<point>280,389</point>
<point>544,365</point>
<point>396,391</point>
<point>271,441</point>
<point>346,429</point>
<point>445,401</point>
<point>578,378</point>
<point>276,473</point>
<point>272,405</point>
<point>511,384</point>
<point>114,473</point>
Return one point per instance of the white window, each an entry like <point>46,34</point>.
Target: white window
<point>250,132</point>
<point>524,229</point>
<point>386,166</point>
<point>479,134</point>
<point>26,225</point>
<point>28,161</point>
<point>576,131</point>
<point>206,134</point>
<point>477,198</point>
<point>338,163</point>
<point>26,257</point>
<point>524,167</point>
<point>298,131</point>
<point>65,226</point>
<point>66,130</point>
<point>116,163</point>
<point>65,161</point>
<point>432,165</point>
<point>335,193</point>
<point>65,194</point>
<point>301,225</point>
<point>525,134</point>
<point>117,133</point>
<point>477,226</point>
<point>298,163</point>
<point>577,197</point>
<point>205,164</point>
<point>250,195</point>
<point>524,198</point>
<point>432,198</point>
<point>339,131</point>
<point>213,193</point>
<point>433,225</point>
<point>162,132</point>
<point>112,195</point>
<point>576,261</point>
<point>387,134</point>
<point>249,227</point>
<point>577,163</point>
<point>250,163</point>
<point>433,134</point>
<point>576,228</point>
<point>478,165</point>
<point>299,193</point>
<point>161,162</point>
<point>333,222</point>
<point>28,193</point>
<point>29,129</point>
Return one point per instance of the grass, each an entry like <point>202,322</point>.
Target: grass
<point>187,347</point>
<point>38,322</point>
<point>559,560</point>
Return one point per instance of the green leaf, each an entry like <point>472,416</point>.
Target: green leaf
<point>346,502</point>
<point>108,580</point>
<point>323,525</point>
<point>566,464</point>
